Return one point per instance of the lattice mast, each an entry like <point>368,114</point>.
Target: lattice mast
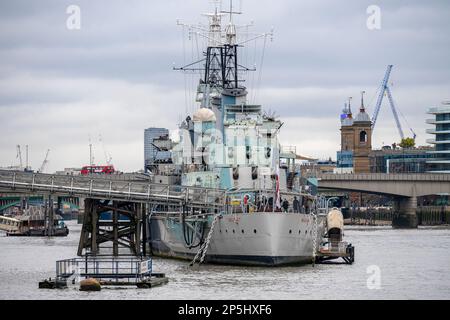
<point>220,67</point>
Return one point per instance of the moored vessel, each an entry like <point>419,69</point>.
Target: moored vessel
<point>268,216</point>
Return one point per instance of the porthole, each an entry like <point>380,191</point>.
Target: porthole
<point>290,231</point>
<point>233,231</point>
<point>242,230</point>
<point>254,230</point>
<point>299,231</point>
<point>306,231</point>
<point>226,231</point>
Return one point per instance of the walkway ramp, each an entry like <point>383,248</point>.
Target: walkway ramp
<point>105,188</point>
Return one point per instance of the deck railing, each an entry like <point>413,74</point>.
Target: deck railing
<point>112,268</point>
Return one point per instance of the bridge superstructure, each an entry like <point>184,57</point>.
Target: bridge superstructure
<point>404,187</point>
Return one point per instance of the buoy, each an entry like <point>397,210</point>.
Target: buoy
<point>90,284</point>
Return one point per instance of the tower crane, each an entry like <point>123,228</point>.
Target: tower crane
<point>108,157</point>
<point>385,89</point>
<point>44,163</point>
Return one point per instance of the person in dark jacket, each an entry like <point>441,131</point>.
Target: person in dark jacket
<point>296,205</point>
<point>285,205</point>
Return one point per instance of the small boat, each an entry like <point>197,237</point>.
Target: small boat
<point>34,224</point>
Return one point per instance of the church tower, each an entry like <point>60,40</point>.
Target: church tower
<point>356,139</point>
<point>347,141</point>
<point>362,140</point>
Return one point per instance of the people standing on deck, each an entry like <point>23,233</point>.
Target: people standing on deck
<point>270,204</point>
<point>246,205</point>
<point>296,205</point>
<point>285,205</point>
<point>307,208</point>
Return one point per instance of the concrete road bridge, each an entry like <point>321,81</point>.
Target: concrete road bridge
<point>405,188</point>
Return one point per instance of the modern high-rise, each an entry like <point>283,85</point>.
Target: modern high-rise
<point>153,153</point>
<point>440,163</point>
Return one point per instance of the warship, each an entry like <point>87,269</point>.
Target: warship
<point>270,217</point>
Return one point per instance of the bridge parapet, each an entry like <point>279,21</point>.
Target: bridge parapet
<point>386,177</point>
<point>405,188</point>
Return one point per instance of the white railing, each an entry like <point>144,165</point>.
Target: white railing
<point>104,268</point>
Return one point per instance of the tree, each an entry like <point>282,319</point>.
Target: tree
<point>407,143</point>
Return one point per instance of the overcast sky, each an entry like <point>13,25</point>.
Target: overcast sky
<point>114,76</point>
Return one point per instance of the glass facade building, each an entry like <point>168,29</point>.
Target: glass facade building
<point>153,154</point>
<point>344,159</point>
<point>440,163</point>
<point>399,160</point>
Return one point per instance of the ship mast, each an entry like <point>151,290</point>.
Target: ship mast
<point>230,30</point>
<point>220,68</point>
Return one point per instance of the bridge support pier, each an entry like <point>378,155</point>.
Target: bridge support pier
<point>405,209</point>
<point>122,227</point>
<point>49,217</point>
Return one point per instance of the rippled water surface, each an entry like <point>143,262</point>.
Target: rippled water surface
<point>414,264</point>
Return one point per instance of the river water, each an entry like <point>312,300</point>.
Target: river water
<point>390,264</point>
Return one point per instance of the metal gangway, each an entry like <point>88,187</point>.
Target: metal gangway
<point>130,200</point>
<point>105,188</point>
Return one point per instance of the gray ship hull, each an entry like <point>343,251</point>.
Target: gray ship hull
<point>259,239</point>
